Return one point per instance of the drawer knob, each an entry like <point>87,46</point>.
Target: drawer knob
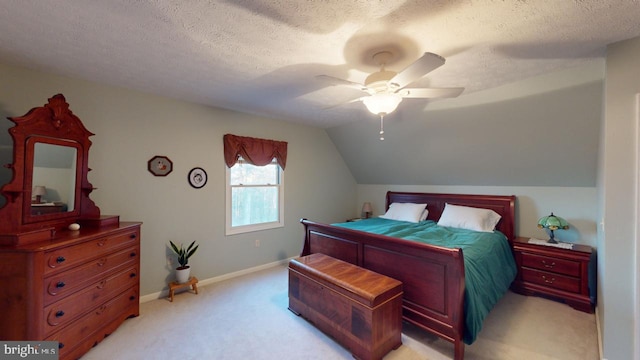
<point>101,284</point>
<point>547,280</point>
<point>132,275</point>
<point>59,313</point>
<point>132,297</point>
<point>132,236</point>
<point>60,345</point>
<point>60,259</point>
<point>60,284</point>
<point>553,263</point>
<point>133,254</point>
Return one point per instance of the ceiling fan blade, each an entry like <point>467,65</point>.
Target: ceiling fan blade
<point>431,93</point>
<point>427,63</point>
<point>337,81</point>
<point>343,103</point>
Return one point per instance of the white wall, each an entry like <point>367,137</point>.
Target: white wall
<point>132,127</point>
<point>618,240</point>
<point>57,182</point>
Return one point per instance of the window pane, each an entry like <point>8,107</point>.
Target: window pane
<point>254,205</point>
<point>247,174</point>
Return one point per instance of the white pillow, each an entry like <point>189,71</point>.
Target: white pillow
<point>406,212</point>
<point>470,218</point>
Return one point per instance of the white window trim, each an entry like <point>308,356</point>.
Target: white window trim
<point>231,230</point>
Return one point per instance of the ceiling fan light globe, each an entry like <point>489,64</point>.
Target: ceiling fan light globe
<point>382,103</point>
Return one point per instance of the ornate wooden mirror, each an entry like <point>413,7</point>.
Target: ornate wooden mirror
<point>49,189</point>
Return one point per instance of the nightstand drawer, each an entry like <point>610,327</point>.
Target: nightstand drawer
<point>560,266</point>
<point>552,280</point>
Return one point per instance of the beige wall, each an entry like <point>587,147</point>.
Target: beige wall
<point>132,127</point>
<point>618,243</point>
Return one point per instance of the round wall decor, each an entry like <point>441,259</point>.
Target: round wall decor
<point>197,177</point>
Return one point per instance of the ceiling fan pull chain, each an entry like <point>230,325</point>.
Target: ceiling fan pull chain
<point>381,126</point>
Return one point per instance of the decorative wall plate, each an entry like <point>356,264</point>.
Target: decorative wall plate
<point>197,177</point>
<point>160,165</point>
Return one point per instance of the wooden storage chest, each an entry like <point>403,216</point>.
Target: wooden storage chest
<point>359,308</point>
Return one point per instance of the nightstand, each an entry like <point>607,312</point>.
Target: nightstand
<point>552,272</point>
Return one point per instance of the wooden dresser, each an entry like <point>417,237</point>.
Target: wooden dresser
<point>75,288</point>
<point>70,286</point>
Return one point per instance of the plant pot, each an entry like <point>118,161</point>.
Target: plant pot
<point>182,274</point>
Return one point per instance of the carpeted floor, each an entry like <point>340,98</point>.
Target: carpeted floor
<point>247,318</point>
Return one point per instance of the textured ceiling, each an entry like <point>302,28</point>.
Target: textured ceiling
<point>261,57</point>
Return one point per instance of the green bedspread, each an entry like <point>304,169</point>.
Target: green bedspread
<point>488,261</point>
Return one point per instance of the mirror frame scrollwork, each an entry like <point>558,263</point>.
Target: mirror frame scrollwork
<point>58,125</point>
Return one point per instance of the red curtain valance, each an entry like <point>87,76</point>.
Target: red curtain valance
<point>256,151</point>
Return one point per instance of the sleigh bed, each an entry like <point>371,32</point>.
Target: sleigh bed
<point>436,296</point>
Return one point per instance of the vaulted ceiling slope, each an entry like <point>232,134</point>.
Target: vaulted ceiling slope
<point>262,57</point>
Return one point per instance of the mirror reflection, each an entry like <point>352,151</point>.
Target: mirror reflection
<point>54,179</point>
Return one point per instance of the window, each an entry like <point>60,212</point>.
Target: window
<point>254,197</point>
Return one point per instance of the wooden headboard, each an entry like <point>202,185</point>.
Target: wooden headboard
<point>502,204</point>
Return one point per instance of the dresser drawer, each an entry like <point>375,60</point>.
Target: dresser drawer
<point>560,266</point>
<point>551,280</point>
<point>77,331</point>
<point>62,312</point>
<point>65,258</point>
<point>68,282</point>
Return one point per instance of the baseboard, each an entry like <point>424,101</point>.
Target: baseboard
<point>165,293</point>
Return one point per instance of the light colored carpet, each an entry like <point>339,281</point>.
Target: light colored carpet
<point>247,318</point>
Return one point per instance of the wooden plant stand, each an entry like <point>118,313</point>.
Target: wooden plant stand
<point>193,283</point>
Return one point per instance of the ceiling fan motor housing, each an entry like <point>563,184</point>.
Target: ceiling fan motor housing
<point>379,81</point>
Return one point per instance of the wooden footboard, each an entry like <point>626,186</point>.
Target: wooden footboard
<point>432,277</point>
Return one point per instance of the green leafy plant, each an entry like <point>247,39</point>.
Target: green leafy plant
<point>184,254</point>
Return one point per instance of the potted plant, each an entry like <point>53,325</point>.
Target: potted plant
<point>184,270</point>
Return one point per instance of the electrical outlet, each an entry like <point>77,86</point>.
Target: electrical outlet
<point>257,242</point>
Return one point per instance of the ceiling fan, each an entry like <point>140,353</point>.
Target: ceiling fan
<point>386,89</point>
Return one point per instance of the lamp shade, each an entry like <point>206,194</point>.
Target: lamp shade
<point>382,103</point>
<point>39,190</point>
<point>553,222</point>
<point>367,209</point>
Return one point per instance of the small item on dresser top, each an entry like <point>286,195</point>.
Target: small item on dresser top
<point>546,243</point>
<point>74,227</point>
